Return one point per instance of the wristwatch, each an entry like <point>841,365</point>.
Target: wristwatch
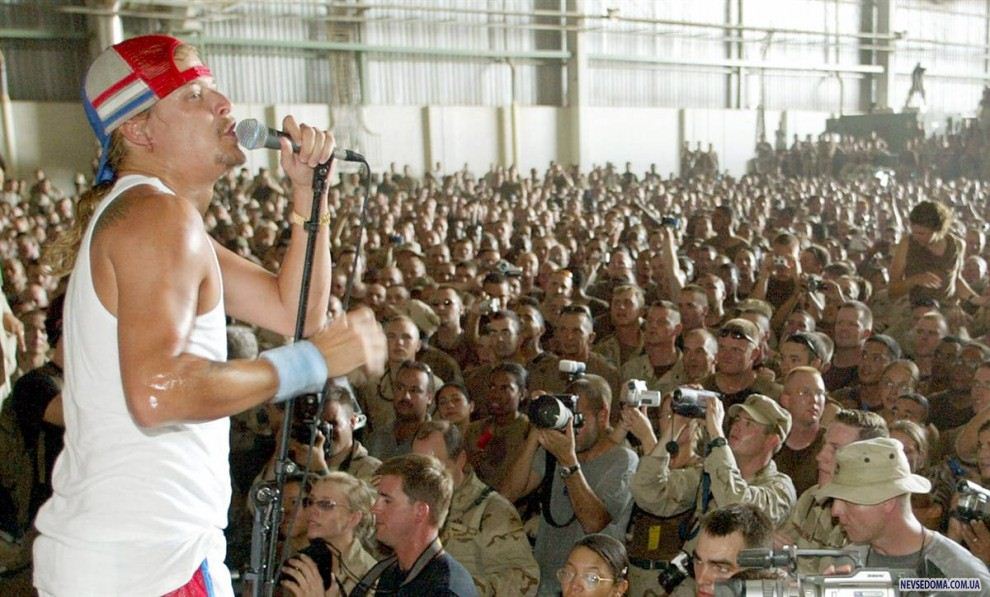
<point>567,471</point>
<point>718,442</point>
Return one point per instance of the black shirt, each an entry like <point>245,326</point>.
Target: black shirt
<point>443,576</point>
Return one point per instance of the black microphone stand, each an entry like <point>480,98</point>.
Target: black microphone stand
<point>267,497</point>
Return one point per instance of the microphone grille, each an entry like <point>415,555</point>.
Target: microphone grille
<point>251,133</point>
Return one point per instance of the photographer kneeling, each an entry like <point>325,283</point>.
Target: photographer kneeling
<point>871,496</point>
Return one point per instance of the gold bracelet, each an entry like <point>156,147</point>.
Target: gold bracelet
<point>325,218</point>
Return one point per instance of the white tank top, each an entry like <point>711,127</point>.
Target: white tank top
<point>134,511</point>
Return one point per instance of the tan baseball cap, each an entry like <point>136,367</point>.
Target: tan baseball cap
<point>765,411</point>
<point>872,471</point>
<point>742,327</point>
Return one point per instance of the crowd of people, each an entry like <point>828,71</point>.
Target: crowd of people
<point>563,381</point>
<point>960,153</point>
<point>836,329</point>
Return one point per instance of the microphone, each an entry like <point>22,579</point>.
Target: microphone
<point>254,135</point>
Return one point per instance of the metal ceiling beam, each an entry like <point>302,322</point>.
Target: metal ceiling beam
<point>38,34</point>
<point>737,63</point>
<point>331,46</point>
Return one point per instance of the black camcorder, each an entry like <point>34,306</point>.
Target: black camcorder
<point>692,403</point>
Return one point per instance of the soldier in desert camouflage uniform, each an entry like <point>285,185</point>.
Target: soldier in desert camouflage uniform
<point>483,530</point>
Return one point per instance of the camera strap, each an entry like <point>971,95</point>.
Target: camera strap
<point>371,578</point>
<point>546,493</point>
<point>689,527</point>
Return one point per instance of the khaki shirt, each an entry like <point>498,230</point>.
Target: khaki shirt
<point>544,374</point>
<point>640,367</point>
<point>491,449</point>
<point>375,397</point>
<point>611,350</point>
<point>351,567</point>
<point>810,526</point>
<point>361,464</point>
<point>665,492</point>
<point>485,534</point>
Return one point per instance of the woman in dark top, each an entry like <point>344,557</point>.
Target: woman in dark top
<point>928,262</point>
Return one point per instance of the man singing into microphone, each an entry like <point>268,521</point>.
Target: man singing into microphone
<point>142,487</point>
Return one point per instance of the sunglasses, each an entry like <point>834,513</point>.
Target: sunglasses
<point>322,505</point>
<point>805,341</point>
<point>444,303</point>
<point>734,334</point>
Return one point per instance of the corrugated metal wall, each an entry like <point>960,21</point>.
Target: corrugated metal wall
<point>626,84</point>
<point>633,60</point>
<point>956,22</point>
<point>48,67</point>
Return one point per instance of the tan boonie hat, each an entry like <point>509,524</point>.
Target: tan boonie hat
<point>743,327</point>
<point>872,471</point>
<point>765,411</point>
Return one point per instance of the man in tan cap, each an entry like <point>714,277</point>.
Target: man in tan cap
<point>736,469</point>
<point>871,497</point>
<point>739,342</point>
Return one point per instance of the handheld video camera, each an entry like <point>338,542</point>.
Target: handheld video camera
<point>572,369</point>
<point>489,306</point>
<point>673,222</point>
<point>692,403</point>
<point>862,581</point>
<point>635,394</point>
<point>814,283</point>
<point>974,502</point>
<point>675,571</point>
<point>553,411</point>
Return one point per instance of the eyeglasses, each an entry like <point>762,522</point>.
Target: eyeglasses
<point>807,394</point>
<point>322,505</point>
<point>590,580</point>
<point>443,303</point>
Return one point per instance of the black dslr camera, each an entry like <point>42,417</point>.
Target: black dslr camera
<point>307,420</point>
<point>553,411</point>
<point>319,551</point>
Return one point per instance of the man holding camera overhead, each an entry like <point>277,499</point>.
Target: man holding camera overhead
<point>588,489</point>
<point>736,469</point>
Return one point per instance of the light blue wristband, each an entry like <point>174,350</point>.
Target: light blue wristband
<point>301,369</point>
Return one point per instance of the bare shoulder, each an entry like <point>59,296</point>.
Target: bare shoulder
<point>150,216</point>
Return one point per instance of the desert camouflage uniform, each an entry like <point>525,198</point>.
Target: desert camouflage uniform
<point>810,526</point>
<point>484,533</point>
